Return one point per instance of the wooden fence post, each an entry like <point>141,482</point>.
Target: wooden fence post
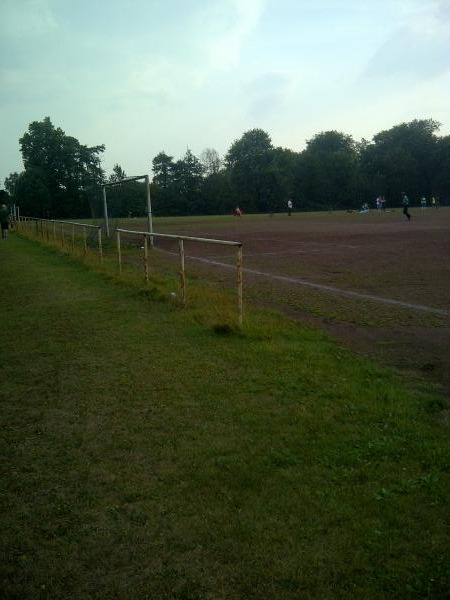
<point>100,246</point>
<point>119,252</point>
<point>182,273</point>
<point>239,283</point>
<point>146,265</point>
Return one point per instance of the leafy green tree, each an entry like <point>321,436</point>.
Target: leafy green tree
<point>327,172</point>
<point>211,161</point>
<point>65,171</point>
<point>163,170</point>
<point>285,166</point>
<point>188,180</point>
<point>32,194</point>
<point>403,158</point>
<point>117,175</point>
<point>253,173</point>
<point>11,183</point>
<point>441,179</point>
<point>218,195</point>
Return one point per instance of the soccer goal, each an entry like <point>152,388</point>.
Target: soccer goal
<point>107,203</point>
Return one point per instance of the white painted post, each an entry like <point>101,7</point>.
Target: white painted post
<point>146,265</point>
<point>119,252</point>
<point>149,209</point>
<point>105,212</point>
<point>84,240</point>
<point>239,283</point>
<point>182,273</point>
<point>100,246</point>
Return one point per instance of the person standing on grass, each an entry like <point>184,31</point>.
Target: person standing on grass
<point>289,207</point>
<point>4,220</point>
<point>405,203</point>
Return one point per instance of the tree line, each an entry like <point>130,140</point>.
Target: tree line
<point>62,178</point>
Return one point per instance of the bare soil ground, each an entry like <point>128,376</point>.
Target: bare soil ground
<point>377,282</point>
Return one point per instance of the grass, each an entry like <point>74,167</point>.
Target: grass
<point>157,453</point>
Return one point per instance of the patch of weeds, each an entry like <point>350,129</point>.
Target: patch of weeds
<point>281,459</point>
<point>436,405</point>
<point>190,592</point>
<point>428,367</point>
<point>224,329</point>
<point>407,486</point>
<point>152,293</point>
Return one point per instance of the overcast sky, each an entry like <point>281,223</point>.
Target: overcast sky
<point>141,76</point>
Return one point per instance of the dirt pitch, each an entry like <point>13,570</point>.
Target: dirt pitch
<point>377,282</point>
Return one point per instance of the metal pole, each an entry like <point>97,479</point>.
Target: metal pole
<point>182,273</point>
<point>100,246</point>
<point>119,252</point>
<point>84,241</point>
<point>146,265</point>
<point>239,283</point>
<point>149,209</point>
<point>105,212</point>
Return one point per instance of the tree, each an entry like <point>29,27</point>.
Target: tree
<point>403,158</point>
<point>11,184</point>
<point>64,171</point>
<point>163,170</point>
<point>441,179</point>
<point>188,181</point>
<point>118,174</point>
<point>330,142</point>
<point>211,161</point>
<point>250,162</point>
<point>327,173</point>
<point>32,194</point>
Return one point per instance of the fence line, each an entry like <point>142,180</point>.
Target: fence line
<point>181,239</point>
<point>46,228</point>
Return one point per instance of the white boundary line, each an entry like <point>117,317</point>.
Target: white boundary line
<point>329,288</point>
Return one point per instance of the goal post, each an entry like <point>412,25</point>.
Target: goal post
<point>148,202</point>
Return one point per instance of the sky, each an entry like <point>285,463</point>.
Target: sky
<point>143,76</point>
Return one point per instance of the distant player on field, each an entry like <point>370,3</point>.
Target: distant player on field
<point>289,207</point>
<point>405,203</point>
<point>4,220</point>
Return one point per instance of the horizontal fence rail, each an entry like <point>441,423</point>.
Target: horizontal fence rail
<point>145,235</point>
<point>51,229</point>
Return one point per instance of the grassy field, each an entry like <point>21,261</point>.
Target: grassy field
<point>150,452</point>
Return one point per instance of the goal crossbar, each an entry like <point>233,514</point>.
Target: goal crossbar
<point>126,180</point>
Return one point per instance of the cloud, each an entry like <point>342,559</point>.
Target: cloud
<point>229,31</point>
<point>20,18</point>
<point>419,50</point>
<point>265,94</point>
